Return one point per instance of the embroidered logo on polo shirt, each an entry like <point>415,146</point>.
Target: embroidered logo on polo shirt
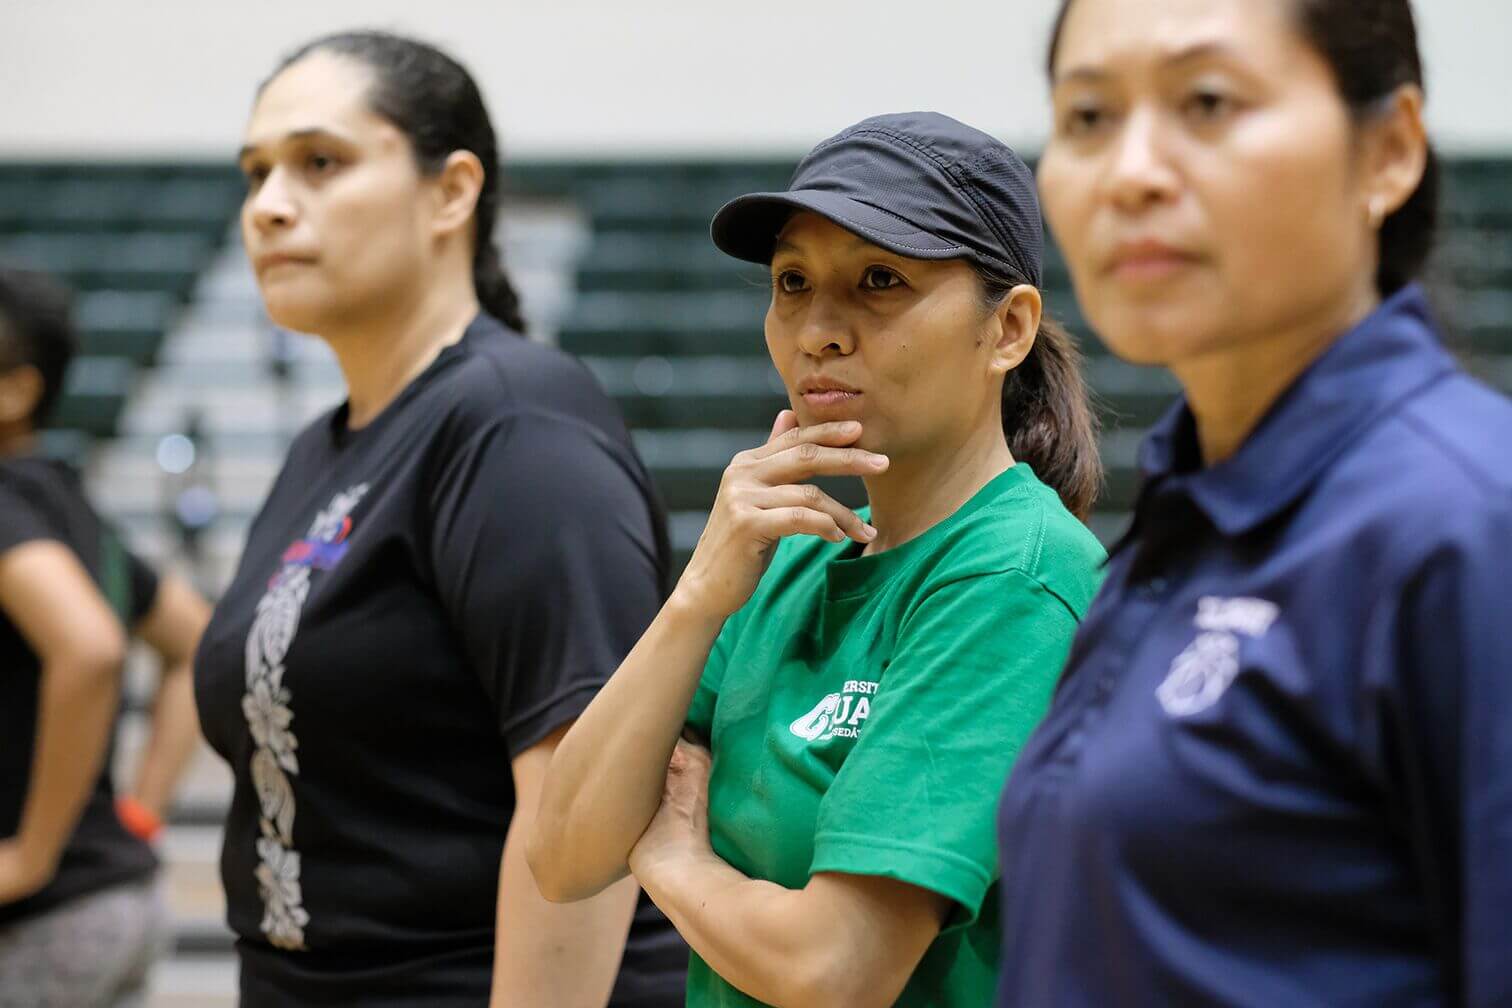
<point>838,715</point>
<point>1207,667</point>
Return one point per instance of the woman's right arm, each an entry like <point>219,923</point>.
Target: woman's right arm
<point>53,602</point>
<point>605,780</point>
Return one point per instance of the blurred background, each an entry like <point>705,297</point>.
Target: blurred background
<point>624,127</point>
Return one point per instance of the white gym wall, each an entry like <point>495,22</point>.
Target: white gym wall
<point>611,78</point>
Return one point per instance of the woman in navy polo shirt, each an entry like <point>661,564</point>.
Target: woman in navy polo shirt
<point>1278,770</point>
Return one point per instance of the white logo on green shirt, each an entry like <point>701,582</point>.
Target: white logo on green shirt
<point>838,715</point>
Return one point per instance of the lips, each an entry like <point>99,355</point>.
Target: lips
<point>820,393</point>
<point>819,385</point>
<point>271,259</point>
<point>1148,259</point>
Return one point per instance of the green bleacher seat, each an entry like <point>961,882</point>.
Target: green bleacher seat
<point>139,260</point>
<point>130,239</point>
<point>655,298</point>
<point>94,395</point>
<point>125,324</point>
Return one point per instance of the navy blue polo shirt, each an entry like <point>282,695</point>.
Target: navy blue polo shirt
<point>1278,769</point>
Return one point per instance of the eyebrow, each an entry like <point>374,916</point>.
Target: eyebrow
<point>783,245</point>
<point>1186,54</point>
<point>312,132</point>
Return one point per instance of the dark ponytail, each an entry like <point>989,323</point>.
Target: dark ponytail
<point>434,102</point>
<point>1372,48</point>
<point>1047,409</point>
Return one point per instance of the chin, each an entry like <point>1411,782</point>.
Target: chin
<point>1153,334</point>
<point>295,311</point>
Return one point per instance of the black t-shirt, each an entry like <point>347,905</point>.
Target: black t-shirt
<point>420,601</point>
<point>43,499</point>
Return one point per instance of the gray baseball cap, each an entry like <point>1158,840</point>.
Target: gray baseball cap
<point>919,184</point>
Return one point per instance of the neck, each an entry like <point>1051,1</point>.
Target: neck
<point>17,441</point>
<point>1230,391</point>
<point>388,349</point>
<point>922,489</point>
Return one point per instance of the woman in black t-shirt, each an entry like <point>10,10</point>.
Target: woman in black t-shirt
<point>447,569</point>
<point>80,921</point>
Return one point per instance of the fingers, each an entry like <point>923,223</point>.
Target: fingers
<point>691,753</point>
<point>771,524</point>
<point>838,434</point>
<point>809,459</point>
<point>806,495</point>
<point>688,770</point>
<point>786,420</point>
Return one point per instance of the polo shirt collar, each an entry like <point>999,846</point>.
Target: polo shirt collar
<point>1391,354</point>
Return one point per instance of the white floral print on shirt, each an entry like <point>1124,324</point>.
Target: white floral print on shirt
<point>270,719</point>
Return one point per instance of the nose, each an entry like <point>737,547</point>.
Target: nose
<point>1140,172</point>
<point>272,206</point>
<point>826,329</point>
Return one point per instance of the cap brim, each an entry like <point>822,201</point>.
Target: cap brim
<point>747,226</point>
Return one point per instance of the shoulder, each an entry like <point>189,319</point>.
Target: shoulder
<point>1460,431</point>
<point>532,408</point>
<point>36,476</point>
<point>37,497</point>
<point>532,422</point>
<point>501,377</point>
<point>1025,536</point>
<point>1435,475</point>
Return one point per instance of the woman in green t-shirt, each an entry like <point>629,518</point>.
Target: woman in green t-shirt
<point>863,680</point>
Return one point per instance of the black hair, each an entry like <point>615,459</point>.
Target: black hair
<point>1048,416</point>
<point>1371,46</point>
<point>436,104</point>
<point>36,330</point>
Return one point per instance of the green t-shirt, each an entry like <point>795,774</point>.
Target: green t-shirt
<point>864,711</point>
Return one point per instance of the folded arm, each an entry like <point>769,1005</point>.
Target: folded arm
<point>840,940</point>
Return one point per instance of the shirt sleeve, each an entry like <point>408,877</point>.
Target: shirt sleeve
<point>970,677</point>
<point>1453,698</point>
<point>20,521</point>
<point>701,711</point>
<point>144,587</point>
<point>544,555</point>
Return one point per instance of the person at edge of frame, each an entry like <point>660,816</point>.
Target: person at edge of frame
<point>1278,769</point>
<point>81,917</point>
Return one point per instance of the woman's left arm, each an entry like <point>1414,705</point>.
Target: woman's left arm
<point>842,939</point>
<point>544,555</point>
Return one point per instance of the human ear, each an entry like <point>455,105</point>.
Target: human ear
<point>1394,154</point>
<point>457,187</point>
<point>1015,323</point>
